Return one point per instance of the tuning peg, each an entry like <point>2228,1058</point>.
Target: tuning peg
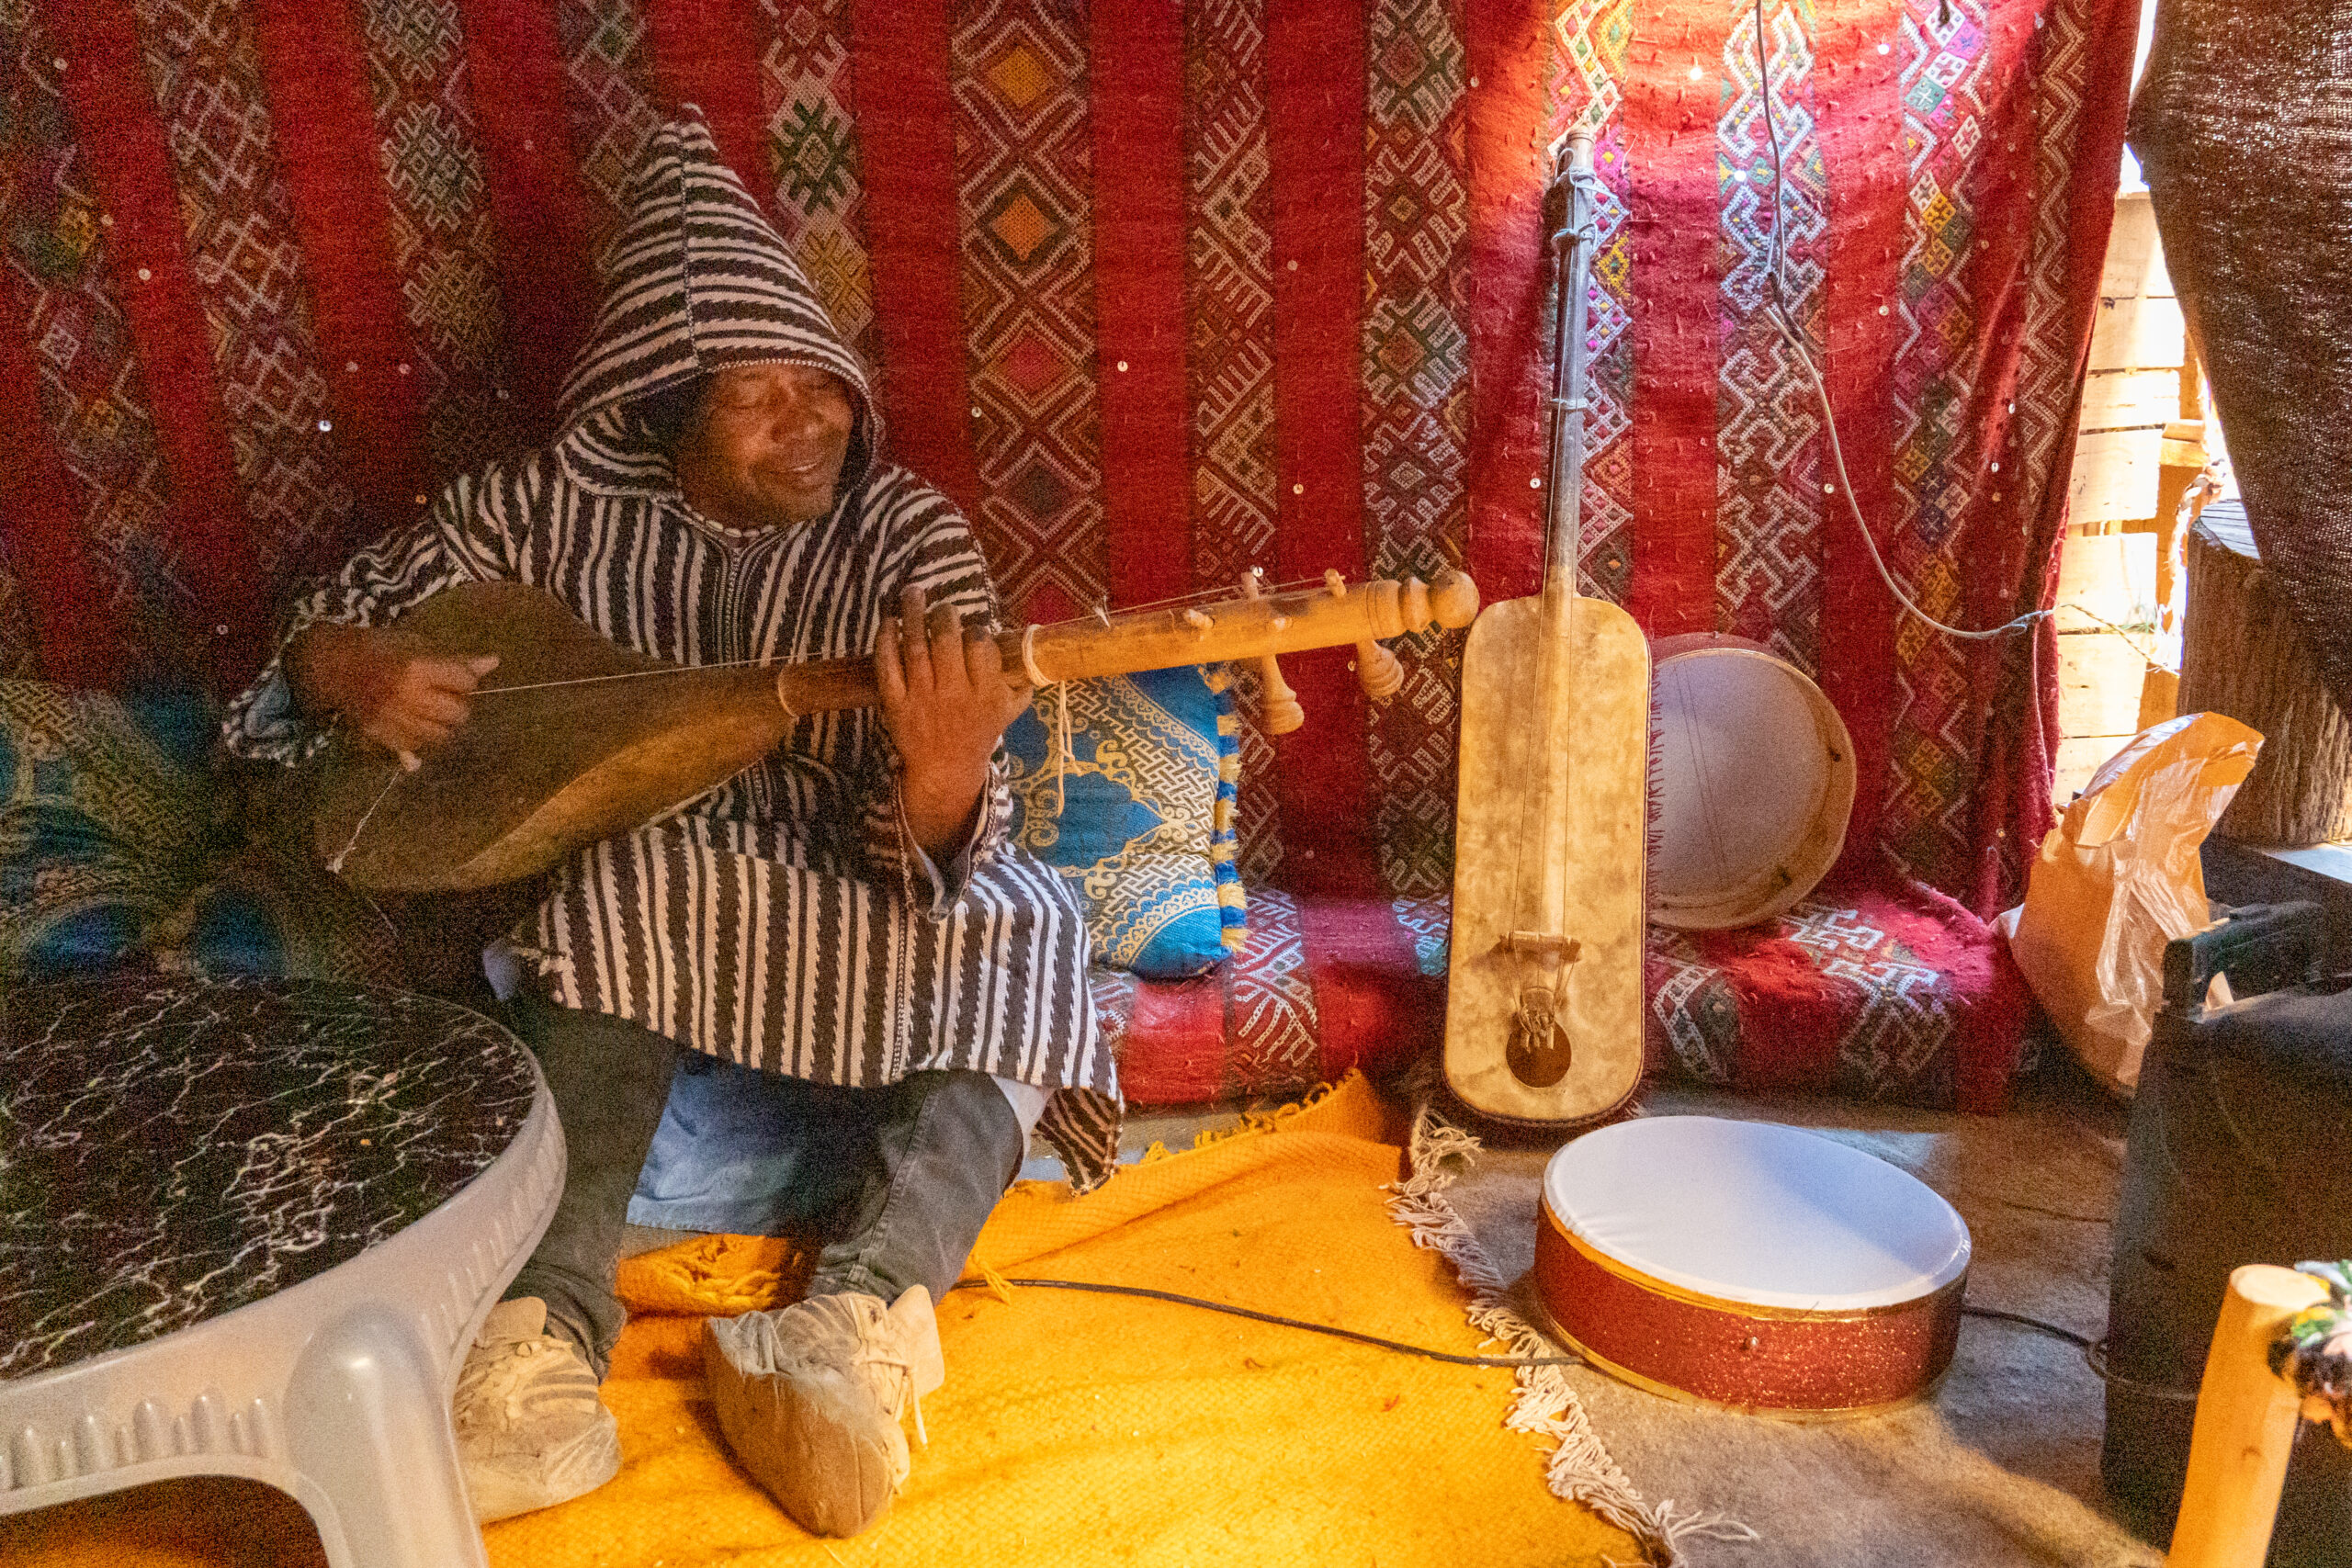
<point>1377,670</point>
<point>1280,710</point>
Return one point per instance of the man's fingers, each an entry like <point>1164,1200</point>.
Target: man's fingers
<point>982,657</point>
<point>406,734</point>
<point>1016,702</point>
<point>914,651</point>
<point>447,673</point>
<point>391,736</point>
<point>985,662</point>
<point>435,705</point>
<point>947,656</point>
<point>889,668</point>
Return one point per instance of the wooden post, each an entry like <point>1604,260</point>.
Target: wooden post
<point>2246,1425</point>
<point>2136,456</point>
<point>2181,459</point>
<point>2241,656</point>
<point>2132,383</point>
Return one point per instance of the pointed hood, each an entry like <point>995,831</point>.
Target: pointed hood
<point>695,280</point>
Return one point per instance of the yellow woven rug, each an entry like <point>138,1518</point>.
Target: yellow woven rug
<point>1079,1429</point>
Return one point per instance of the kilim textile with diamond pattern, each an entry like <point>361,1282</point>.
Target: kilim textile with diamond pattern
<point>1158,292</point>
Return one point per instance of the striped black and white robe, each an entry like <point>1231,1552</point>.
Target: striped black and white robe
<point>785,920</point>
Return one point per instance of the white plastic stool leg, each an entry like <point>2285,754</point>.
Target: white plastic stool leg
<point>366,1427</point>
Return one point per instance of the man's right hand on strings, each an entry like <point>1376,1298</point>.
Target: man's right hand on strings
<point>394,690</point>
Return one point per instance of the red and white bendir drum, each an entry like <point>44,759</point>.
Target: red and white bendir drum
<point>1757,1267</point>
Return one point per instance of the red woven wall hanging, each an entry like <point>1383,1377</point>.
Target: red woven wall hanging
<point>1157,291</point>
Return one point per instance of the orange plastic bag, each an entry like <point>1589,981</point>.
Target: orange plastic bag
<point>2118,878</point>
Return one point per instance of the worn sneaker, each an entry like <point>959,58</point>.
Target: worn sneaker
<point>810,1399</point>
<point>531,1431</point>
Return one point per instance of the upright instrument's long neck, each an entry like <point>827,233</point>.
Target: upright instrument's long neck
<point>1540,889</point>
<point>1573,245</point>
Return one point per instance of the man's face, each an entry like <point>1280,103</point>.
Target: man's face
<point>766,446</point>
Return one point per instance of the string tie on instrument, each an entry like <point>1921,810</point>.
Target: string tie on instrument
<point>335,864</point>
<point>1063,757</point>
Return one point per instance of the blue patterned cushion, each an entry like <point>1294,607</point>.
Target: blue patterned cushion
<point>1144,829</point>
<point>265,908</point>
<point>112,851</point>
<point>103,823</point>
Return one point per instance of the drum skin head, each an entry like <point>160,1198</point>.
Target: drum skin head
<point>1753,782</point>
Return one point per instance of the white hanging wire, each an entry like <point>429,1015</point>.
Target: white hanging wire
<point>1776,300</point>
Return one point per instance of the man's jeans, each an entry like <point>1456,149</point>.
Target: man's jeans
<point>898,1180</point>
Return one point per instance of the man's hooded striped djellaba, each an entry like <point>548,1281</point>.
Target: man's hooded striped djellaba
<point>783,920</point>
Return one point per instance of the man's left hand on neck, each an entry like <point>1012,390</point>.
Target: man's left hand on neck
<point>945,703</point>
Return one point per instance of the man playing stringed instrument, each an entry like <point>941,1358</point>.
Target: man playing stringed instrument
<point>847,916</point>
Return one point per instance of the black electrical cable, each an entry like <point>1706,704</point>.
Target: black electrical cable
<point>1371,1339</point>
<point>2094,1352</point>
<point>2094,1356</point>
<point>2034,1323</point>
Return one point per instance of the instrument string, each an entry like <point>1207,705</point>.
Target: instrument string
<point>1064,755</point>
<point>1534,907</point>
<point>1194,599</point>
<point>1717,842</point>
<point>334,862</point>
<point>1124,614</point>
<point>621,675</point>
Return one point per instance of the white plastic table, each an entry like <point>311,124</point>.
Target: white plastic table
<point>249,1227</point>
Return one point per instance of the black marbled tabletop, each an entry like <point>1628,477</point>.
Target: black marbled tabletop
<point>173,1148</point>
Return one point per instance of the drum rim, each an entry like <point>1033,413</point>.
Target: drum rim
<point>1757,1301</point>
<point>1795,1414</point>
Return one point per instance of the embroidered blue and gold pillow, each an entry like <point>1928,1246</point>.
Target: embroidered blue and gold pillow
<point>104,823</point>
<point>1137,812</point>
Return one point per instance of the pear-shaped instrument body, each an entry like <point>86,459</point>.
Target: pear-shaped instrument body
<point>538,769</point>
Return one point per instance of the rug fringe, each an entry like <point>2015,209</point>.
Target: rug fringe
<point>1580,1468</point>
<point>1250,1122</point>
<point>1709,1525</point>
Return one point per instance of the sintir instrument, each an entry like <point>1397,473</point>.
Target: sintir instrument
<point>1748,1265</point>
<point>574,739</point>
<point>1544,1012</point>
